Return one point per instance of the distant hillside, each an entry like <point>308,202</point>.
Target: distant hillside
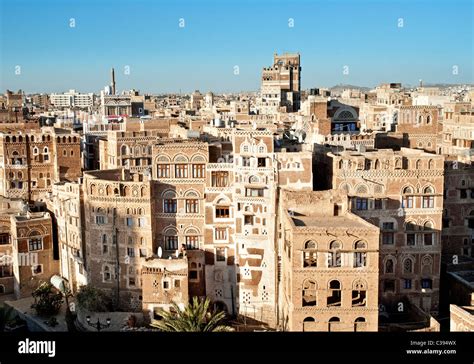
<point>340,88</point>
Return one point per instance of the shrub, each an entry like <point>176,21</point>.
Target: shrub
<point>47,300</point>
<point>93,299</point>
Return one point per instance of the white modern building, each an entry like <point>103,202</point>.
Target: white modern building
<point>72,99</point>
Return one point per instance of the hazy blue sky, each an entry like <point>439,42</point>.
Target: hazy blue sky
<point>218,35</point>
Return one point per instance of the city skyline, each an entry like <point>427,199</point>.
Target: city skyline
<point>390,45</point>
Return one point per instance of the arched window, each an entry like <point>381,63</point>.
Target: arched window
<point>377,164</point>
<point>428,233</point>
<point>309,293</point>
<point>389,266</point>
<point>170,203</point>
<point>334,293</point>
<point>398,163</point>
<point>428,119</point>
<point>310,256</point>
<point>308,323</point>
<point>334,256</point>
<point>407,198</point>
<point>359,324</point>
<point>427,265</point>
<point>410,233</point>
<point>360,256</point>
<point>192,238</point>
<point>408,265</point>
<point>431,164</point>
<point>341,164</point>
<point>254,179</point>
<point>244,148</point>
<point>420,119</point>
<point>124,150</point>
<point>418,164</point>
<point>362,190</point>
<point>359,293</point>
<point>107,274</point>
<point>171,239</point>
<point>428,198</point>
<point>333,323</point>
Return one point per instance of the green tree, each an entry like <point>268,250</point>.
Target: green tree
<point>196,317</point>
<point>93,299</point>
<point>48,300</point>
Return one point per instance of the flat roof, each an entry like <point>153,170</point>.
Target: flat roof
<point>328,222</point>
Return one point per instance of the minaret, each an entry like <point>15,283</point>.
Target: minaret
<point>113,82</point>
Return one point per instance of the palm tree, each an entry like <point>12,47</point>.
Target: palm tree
<point>6,315</point>
<point>195,317</point>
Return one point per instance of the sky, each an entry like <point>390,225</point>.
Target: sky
<point>168,46</point>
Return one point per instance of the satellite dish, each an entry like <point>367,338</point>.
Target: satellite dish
<point>160,252</point>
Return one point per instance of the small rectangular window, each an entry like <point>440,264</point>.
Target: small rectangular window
<point>427,283</point>
<point>170,206</point>
<point>407,283</point>
<point>100,220</point>
<point>181,171</point>
<point>199,171</point>
<point>220,254</point>
<point>222,212</point>
<point>361,203</point>
<point>221,234</point>
<point>171,242</point>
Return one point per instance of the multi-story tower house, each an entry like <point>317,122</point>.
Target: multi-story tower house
<point>329,264</point>
<point>131,150</point>
<point>67,204</point>
<point>458,209</point>
<point>253,208</point>
<point>118,225</point>
<point>179,167</point>
<point>30,163</point>
<point>402,193</point>
<point>26,248</point>
<point>417,127</point>
<point>33,259</point>
<point>281,85</point>
<point>458,143</point>
<point>219,237</point>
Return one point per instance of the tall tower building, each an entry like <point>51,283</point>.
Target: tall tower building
<point>112,85</point>
<point>281,85</point>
